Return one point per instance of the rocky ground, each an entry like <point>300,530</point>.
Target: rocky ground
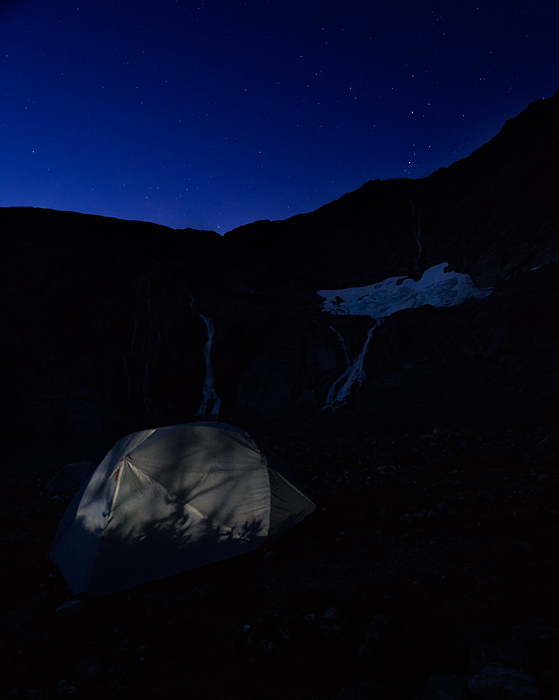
<point>429,571</point>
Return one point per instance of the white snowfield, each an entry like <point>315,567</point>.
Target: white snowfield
<point>436,287</point>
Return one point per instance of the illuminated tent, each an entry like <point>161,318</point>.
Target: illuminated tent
<point>171,499</point>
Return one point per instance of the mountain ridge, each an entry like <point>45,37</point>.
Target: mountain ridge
<point>390,200</point>
<point>103,320</point>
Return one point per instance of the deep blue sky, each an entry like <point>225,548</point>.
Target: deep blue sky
<point>213,114</point>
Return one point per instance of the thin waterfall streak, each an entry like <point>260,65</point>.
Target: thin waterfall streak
<point>343,346</point>
<point>211,403</point>
<point>145,383</point>
<point>417,226</point>
<point>127,376</point>
<point>134,333</point>
<point>341,388</point>
<point>418,237</point>
<point>149,405</point>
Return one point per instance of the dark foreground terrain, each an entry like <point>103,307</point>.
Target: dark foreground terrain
<point>433,559</point>
<point>430,569</point>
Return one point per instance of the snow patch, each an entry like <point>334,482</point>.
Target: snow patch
<point>436,287</point>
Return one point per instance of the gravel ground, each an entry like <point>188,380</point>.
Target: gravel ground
<point>432,558</point>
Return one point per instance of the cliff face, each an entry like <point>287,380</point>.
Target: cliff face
<point>110,324</point>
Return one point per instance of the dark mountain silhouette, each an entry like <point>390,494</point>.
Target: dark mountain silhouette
<point>430,567</point>
<point>103,320</point>
<point>491,204</point>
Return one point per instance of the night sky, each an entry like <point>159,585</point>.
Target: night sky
<point>214,114</point>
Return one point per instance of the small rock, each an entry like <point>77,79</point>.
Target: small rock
<point>63,687</point>
<point>270,556</point>
<point>412,517</point>
<point>364,654</point>
<point>371,688</point>
<point>88,669</point>
<point>537,634</point>
<point>510,652</point>
<point>514,653</point>
<point>480,657</point>
<point>70,607</point>
<point>547,679</point>
<point>331,615</point>
<point>380,622</point>
<point>351,694</point>
<point>447,687</point>
<point>284,633</point>
<point>496,682</point>
<point>374,637</point>
<point>481,635</point>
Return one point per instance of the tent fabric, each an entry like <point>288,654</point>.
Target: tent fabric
<point>167,500</point>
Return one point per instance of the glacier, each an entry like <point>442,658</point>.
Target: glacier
<point>436,287</point>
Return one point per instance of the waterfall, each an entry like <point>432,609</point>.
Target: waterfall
<point>142,347</point>
<point>149,405</point>
<point>343,346</point>
<point>417,234</point>
<point>209,408</point>
<point>341,388</point>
